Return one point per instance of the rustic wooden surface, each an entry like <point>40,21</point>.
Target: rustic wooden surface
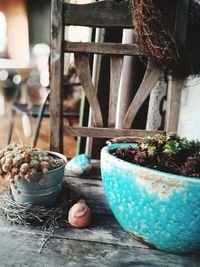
<point>102,243</point>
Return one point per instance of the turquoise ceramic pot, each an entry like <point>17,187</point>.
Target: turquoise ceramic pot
<point>160,209</point>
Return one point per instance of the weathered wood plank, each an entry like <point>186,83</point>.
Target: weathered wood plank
<point>18,249</point>
<point>92,190</point>
<point>107,132</point>
<point>56,68</point>
<point>102,229</point>
<point>116,63</point>
<point>103,48</point>
<point>84,74</point>
<point>173,103</point>
<point>151,76</point>
<point>101,14</point>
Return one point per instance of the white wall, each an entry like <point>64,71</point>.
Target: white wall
<point>189,118</point>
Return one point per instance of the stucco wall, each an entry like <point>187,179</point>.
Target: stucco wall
<point>154,116</point>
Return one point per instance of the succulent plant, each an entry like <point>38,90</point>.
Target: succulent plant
<point>168,153</point>
<point>23,161</point>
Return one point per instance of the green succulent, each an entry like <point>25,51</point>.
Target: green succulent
<point>22,161</point>
<point>168,153</point>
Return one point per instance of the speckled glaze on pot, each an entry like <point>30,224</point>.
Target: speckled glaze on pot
<point>158,208</point>
<point>43,189</point>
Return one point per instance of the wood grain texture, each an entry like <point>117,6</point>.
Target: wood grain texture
<point>149,81</point>
<point>92,190</point>
<point>103,229</point>
<point>102,243</point>
<point>83,70</point>
<point>107,132</point>
<point>173,103</point>
<point>104,13</point>
<point>116,63</point>
<point>103,48</point>
<point>68,252</point>
<point>56,73</point>
<point>101,14</point>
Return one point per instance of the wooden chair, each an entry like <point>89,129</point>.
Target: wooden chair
<point>36,111</point>
<point>103,14</point>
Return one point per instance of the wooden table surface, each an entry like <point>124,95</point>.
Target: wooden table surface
<point>102,243</point>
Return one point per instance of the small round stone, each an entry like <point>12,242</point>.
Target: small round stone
<point>79,165</point>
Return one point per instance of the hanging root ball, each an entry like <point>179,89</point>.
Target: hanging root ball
<point>79,215</point>
<point>154,29</point>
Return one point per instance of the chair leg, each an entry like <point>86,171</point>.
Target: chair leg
<point>12,114</point>
<point>11,125</point>
<point>71,124</point>
<point>39,120</point>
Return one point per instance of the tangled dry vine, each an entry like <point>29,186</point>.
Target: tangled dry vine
<point>153,26</point>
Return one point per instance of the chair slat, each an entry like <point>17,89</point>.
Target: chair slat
<point>83,70</point>
<point>107,132</point>
<point>101,14</point>
<point>103,48</point>
<point>150,79</point>
<point>173,104</point>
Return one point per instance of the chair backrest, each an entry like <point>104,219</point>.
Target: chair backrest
<point>103,14</point>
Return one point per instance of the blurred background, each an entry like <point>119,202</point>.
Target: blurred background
<point>24,73</point>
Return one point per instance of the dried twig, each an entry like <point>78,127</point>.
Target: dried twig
<point>45,240</point>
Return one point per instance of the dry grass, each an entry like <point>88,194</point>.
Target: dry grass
<point>26,214</point>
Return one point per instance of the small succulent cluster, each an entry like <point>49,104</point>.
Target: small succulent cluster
<point>20,161</point>
<point>168,153</point>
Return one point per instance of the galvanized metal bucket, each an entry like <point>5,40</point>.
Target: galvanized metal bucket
<point>43,189</point>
